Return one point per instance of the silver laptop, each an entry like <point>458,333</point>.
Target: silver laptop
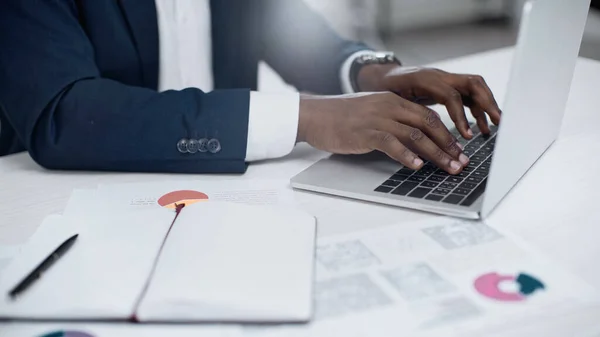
<point>542,69</point>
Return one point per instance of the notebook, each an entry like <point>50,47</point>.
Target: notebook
<point>214,262</point>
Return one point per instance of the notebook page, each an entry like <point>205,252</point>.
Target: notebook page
<point>230,262</point>
<point>100,277</point>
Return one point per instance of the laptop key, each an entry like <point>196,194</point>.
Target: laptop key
<point>471,147</point>
<point>461,191</point>
<point>454,179</point>
<point>479,173</point>
<point>419,192</point>
<point>384,189</point>
<point>434,197</point>
<point>429,184</point>
<point>399,177</point>
<point>417,179</point>
<point>474,180</point>
<point>423,173</point>
<point>405,188</point>
<point>468,186</point>
<point>441,191</point>
<point>471,198</point>
<point>478,140</point>
<point>483,152</point>
<point>448,185</point>
<point>436,178</point>
<point>453,199</point>
<point>488,147</point>
<point>406,171</point>
<point>391,183</point>
<point>462,174</point>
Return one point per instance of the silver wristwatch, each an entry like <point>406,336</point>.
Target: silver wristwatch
<point>372,58</point>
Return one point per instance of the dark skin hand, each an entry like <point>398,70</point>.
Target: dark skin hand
<point>429,86</point>
<point>388,119</point>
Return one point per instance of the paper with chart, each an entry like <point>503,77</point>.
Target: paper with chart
<point>166,194</point>
<point>430,276</point>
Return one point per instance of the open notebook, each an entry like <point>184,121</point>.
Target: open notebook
<point>214,262</point>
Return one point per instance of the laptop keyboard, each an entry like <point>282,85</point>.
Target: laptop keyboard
<point>431,183</point>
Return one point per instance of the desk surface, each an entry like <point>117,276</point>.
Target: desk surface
<point>561,218</point>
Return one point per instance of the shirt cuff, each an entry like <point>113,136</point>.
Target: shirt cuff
<point>345,70</point>
<point>272,125</point>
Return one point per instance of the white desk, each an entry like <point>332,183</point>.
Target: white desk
<point>562,219</point>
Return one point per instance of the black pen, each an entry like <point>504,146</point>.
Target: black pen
<point>42,267</point>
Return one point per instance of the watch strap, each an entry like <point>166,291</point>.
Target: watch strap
<point>366,59</point>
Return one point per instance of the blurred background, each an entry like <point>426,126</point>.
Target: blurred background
<point>426,31</point>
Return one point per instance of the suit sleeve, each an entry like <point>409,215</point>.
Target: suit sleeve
<point>69,117</point>
<point>300,45</point>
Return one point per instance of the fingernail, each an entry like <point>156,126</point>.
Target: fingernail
<point>417,162</point>
<point>463,159</point>
<point>460,146</point>
<point>470,132</point>
<point>455,165</point>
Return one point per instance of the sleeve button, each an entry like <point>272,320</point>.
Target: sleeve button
<point>193,146</point>
<point>182,145</point>
<point>202,145</point>
<point>214,145</point>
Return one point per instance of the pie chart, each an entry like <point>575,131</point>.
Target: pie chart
<point>489,285</point>
<point>66,333</point>
<point>186,197</point>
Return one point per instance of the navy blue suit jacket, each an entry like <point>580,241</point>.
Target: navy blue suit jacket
<point>78,81</point>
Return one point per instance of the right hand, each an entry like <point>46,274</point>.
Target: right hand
<point>365,122</point>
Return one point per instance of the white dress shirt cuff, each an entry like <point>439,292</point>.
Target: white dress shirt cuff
<point>272,125</point>
<point>345,70</point>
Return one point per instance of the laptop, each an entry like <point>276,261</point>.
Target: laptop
<point>548,44</point>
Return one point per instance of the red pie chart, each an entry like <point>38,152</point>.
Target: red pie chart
<point>186,197</point>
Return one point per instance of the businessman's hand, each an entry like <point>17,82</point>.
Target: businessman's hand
<point>364,122</point>
<point>429,86</point>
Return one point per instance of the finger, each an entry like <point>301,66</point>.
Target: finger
<point>437,131</point>
<point>419,143</point>
<point>452,100</point>
<point>481,119</point>
<point>390,145</point>
<point>429,122</point>
<point>483,96</point>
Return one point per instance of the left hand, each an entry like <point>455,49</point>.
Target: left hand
<point>429,86</point>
